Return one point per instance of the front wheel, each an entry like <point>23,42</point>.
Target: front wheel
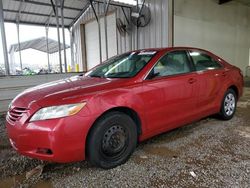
<point>112,140</point>
<point>228,106</point>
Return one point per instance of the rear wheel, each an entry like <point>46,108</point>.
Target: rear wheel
<point>228,106</point>
<point>112,140</point>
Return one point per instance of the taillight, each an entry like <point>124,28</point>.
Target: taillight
<point>240,71</point>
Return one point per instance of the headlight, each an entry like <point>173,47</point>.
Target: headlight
<point>9,107</point>
<point>53,112</point>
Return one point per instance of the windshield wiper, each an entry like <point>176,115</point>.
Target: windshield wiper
<point>96,76</point>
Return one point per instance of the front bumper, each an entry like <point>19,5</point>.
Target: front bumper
<point>64,137</point>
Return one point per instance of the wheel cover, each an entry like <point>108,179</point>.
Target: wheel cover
<point>114,141</point>
<point>229,104</point>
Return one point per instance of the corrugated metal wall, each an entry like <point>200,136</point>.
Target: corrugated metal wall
<point>153,35</point>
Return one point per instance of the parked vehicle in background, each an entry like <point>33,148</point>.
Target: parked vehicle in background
<point>2,72</point>
<point>27,71</point>
<point>105,113</point>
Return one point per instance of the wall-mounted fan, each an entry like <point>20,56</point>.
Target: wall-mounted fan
<point>122,27</point>
<point>140,15</point>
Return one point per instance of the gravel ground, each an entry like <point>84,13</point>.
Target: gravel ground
<point>208,153</point>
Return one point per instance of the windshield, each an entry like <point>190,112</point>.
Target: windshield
<point>123,66</point>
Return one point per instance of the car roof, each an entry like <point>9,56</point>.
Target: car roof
<point>171,48</point>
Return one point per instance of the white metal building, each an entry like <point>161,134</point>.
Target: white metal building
<point>85,32</point>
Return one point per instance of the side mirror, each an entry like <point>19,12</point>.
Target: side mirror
<point>152,75</point>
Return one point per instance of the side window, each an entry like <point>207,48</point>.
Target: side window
<point>171,64</point>
<point>203,61</point>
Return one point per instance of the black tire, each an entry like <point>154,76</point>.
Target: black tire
<point>225,113</point>
<point>112,140</point>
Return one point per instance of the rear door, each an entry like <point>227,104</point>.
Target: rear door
<point>170,92</point>
<point>210,76</point>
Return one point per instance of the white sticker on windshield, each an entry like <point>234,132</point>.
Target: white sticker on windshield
<point>147,53</point>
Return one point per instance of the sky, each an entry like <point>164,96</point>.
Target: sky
<point>132,2</point>
<point>28,32</point>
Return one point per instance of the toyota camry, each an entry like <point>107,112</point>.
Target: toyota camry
<point>102,115</point>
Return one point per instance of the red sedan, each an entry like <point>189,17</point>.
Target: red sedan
<point>103,114</point>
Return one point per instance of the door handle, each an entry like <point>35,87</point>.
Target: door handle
<point>224,74</point>
<point>192,80</point>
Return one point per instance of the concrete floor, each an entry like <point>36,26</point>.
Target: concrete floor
<point>208,153</point>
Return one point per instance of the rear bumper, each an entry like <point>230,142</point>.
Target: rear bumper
<point>64,137</point>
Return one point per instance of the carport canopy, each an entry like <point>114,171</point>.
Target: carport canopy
<point>43,12</point>
<point>39,44</point>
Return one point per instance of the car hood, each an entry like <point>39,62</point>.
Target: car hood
<point>65,91</point>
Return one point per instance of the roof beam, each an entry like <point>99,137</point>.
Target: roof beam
<point>48,20</point>
<point>35,14</point>
<point>32,23</point>
<point>53,6</point>
<point>223,1</point>
<point>79,15</point>
<point>19,11</point>
<point>115,4</point>
<point>48,4</point>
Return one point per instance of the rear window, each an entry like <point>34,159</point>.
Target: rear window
<point>203,61</point>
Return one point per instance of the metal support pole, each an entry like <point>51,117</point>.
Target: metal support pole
<point>100,41</point>
<point>47,23</point>
<point>72,48</point>
<point>19,46</point>
<point>55,8</point>
<point>47,36</point>
<point>125,15</point>
<point>143,3</point>
<point>170,15</point>
<point>137,28</point>
<point>18,33</point>
<point>2,30</point>
<point>99,29</point>
<point>63,35</point>
<point>105,25</point>
<point>47,46</point>
<point>106,35</point>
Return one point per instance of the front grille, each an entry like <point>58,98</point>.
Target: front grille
<point>15,114</point>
